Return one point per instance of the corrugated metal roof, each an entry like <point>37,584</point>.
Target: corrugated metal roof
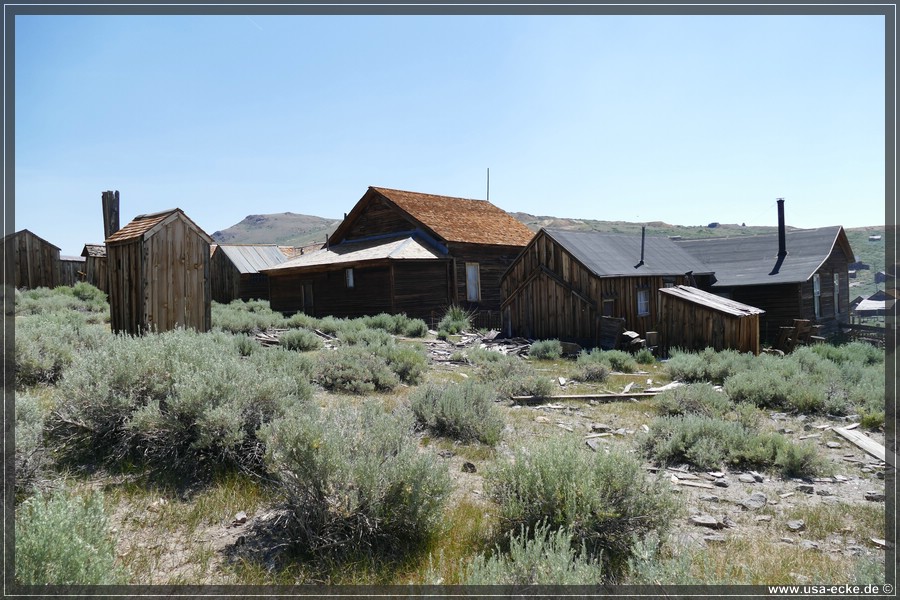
<point>405,248</point>
<point>617,255</point>
<point>252,258</point>
<point>692,294</point>
<point>94,250</point>
<point>751,260</point>
<point>460,220</point>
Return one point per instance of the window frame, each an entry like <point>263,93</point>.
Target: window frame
<point>643,297</point>
<point>817,295</point>
<point>348,279</point>
<point>476,269</point>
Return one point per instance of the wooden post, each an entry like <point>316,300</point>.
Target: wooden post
<point>110,213</point>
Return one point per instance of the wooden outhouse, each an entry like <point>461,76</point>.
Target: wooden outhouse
<point>796,274</point>
<point>31,261</point>
<point>691,319</point>
<point>71,270</point>
<point>400,251</point>
<point>565,281</point>
<point>235,271</point>
<point>95,266</point>
<point>159,274</point>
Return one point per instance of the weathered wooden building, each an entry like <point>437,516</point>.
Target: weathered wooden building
<point>564,281</point>
<point>95,266</point>
<point>31,261</point>
<point>71,270</point>
<point>399,251</point>
<point>796,274</point>
<point>235,270</point>
<point>692,319</point>
<point>159,274</point>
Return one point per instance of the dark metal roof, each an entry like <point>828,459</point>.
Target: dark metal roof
<point>617,255</point>
<point>752,259</point>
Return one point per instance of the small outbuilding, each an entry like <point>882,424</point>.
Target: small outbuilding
<point>31,261</point>
<point>95,266</point>
<point>694,320</point>
<point>71,270</point>
<point>159,274</point>
<point>235,271</point>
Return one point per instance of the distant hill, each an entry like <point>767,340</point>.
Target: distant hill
<point>289,229</point>
<point>284,229</point>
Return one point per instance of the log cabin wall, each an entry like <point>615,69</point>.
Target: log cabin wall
<point>72,271</point>
<point>253,286</point>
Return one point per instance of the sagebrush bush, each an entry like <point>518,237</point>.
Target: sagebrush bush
<point>545,349</point>
<point>397,324</point>
<point>173,400</point>
<point>356,370</point>
<point>694,398</point>
<point>246,344</point>
<point>707,365</point>
<point>455,320</point>
<point>64,540</point>
<point>616,360</point>
<point>47,343</point>
<point>407,361</point>
<point>539,557</point>
<point>31,455</point>
<point>512,376</point>
<point>465,411</point>
<point>251,316</point>
<point>355,481</point>
<point>363,336</point>
<point>606,500</point>
<point>300,340</point>
<point>82,298</point>
<point>591,371</point>
<point>711,442</point>
<point>645,356</point>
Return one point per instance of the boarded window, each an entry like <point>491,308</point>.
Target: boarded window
<point>473,282</point>
<point>609,308</point>
<point>837,293</point>
<point>817,293</point>
<point>348,274</point>
<point>643,303</point>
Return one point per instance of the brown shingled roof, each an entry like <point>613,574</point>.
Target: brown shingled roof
<point>141,224</point>
<point>459,219</point>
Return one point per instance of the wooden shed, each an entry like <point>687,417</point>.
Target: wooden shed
<point>565,281</point>
<point>399,251</point>
<point>159,274</point>
<point>95,266</point>
<point>692,319</point>
<point>31,261</point>
<point>71,270</point>
<point>235,270</point>
<point>797,274</point>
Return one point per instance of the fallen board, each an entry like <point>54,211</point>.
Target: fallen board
<point>867,444</point>
<point>583,396</point>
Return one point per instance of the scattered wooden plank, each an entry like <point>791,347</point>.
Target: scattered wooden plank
<point>582,396</point>
<point>696,484</point>
<point>860,440</point>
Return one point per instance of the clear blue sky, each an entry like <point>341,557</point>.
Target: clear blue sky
<point>682,119</point>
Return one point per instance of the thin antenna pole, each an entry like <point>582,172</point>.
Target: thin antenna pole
<point>489,184</point>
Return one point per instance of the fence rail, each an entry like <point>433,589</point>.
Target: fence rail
<point>864,333</point>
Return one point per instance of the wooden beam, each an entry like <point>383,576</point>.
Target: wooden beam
<point>860,440</point>
<point>583,396</point>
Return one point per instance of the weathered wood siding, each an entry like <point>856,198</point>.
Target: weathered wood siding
<point>549,294</point>
<point>492,263</point>
<point>225,278</point>
<point>31,261</point>
<point>690,326</point>
<point>97,273</point>
<point>411,287</point>
<point>71,272</point>
<point>126,277</point>
<point>160,282</point>
<point>379,218</point>
<point>253,286</point>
